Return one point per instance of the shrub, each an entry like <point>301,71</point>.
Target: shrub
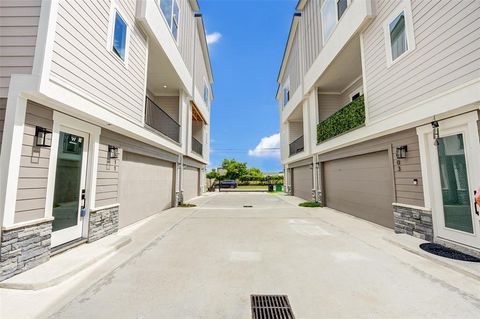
<point>348,118</point>
<point>310,204</point>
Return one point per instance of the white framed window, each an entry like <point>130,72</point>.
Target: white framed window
<point>118,34</point>
<point>171,12</point>
<point>331,12</point>
<point>206,93</point>
<point>286,93</point>
<point>399,35</point>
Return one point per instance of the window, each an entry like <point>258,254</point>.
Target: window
<point>355,96</point>
<point>332,11</point>
<point>119,36</point>
<point>286,95</point>
<point>398,36</point>
<point>171,12</point>
<point>206,93</point>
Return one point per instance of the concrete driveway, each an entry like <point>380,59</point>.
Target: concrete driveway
<point>331,265</point>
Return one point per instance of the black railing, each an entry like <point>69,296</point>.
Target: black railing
<point>296,146</point>
<point>197,147</point>
<point>159,120</point>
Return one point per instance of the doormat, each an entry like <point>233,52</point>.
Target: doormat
<point>446,252</point>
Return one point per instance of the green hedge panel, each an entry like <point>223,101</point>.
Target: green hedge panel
<point>349,117</point>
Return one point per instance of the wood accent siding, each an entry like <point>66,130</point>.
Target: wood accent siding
<point>447,34</point>
<point>3,107</point>
<point>34,162</point>
<point>108,171</point>
<point>82,59</point>
<point>292,70</point>
<point>405,191</point>
<point>18,36</point>
<point>185,33</point>
<point>311,30</point>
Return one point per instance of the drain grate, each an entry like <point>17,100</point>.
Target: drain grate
<point>247,206</point>
<point>446,252</point>
<point>271,307</point>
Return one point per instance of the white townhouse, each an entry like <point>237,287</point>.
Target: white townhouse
<point>379,104</point>
<point>104,119</point>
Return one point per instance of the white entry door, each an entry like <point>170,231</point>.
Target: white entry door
<point>69,196</point>
<point>455,161</point>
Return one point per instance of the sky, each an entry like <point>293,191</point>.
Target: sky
<point>246,41</point>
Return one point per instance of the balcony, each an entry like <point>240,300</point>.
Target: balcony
<point>348,118</point>
<point>296,146</point>
<point>197,147</point>
<point>160,121</point>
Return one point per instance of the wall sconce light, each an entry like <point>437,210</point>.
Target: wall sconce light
<point>43,137</point>
<point>112,152</point>
<point>415,181</point>
<point>401,151</point>
<point>436,132</point>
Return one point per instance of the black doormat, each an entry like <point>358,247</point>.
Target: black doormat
<point>446,252</point>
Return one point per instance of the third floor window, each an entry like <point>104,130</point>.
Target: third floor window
<point>171,12</point>
<point>332,11</point>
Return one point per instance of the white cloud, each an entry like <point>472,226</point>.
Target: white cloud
<point>213,37</point>
<point>268,147</point>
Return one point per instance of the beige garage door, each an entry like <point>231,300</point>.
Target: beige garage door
<point>361,186</point>
<point>191,182</point>
<point>303,182</point>
<point>146,187</point>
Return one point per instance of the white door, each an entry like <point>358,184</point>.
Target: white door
<point>69,197</point>
<point>455,175</point>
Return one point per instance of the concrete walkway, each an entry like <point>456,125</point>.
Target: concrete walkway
<point>207,261</point>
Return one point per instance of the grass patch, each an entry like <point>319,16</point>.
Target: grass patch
<point>310,204</point>
<point>187,205</point>
<point>262,187</point>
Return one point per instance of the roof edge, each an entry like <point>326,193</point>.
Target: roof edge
<point>288,46</point>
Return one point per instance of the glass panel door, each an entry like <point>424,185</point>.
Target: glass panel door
<point>454,181</point>
<point>68,179</point>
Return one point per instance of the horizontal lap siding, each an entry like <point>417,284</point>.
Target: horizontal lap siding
<point>292,70</point>
<point>185,34</point>
<point>328,104</point>
<point>447,34</point>
<point>3,107</point>
<point>295,130</point>
<point>81,58</point>
<point>18,35</point>
<point>32,181</point>
<point>406,192</point>
<point>170,104</point>
<point>311,29</point>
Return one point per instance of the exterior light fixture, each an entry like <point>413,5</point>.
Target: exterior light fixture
<point>43,137</point>
<point>401,152</point>
<point>112,152</point>
<point>436,132</point>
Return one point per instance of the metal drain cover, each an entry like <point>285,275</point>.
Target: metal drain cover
<point>271,307</point>
<point>247,206</point>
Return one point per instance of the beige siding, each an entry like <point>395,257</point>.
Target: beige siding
<point>3,106</point>
<point>295,130</point>
<point>185,33</point>
<point>108,170</point>
<point>82,60</point>
<point>197,130</point>
<point>170,104</point>
<point>446,55</point>
<point>32,181</point>
<point>18,34</point>
<point>201,74</point>
<point>408,170</point>
<point>311,29</point>
<point>331,103</point>
<point>292,70</point>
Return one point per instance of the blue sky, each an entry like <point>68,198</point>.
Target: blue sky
<point>247,40</point>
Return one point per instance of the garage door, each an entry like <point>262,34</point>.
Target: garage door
<point>361,186</point>
<point>303,182</point>
<point>191,180</point>
<point>146,187</point>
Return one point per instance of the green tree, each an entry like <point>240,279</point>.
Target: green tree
<point>235,169</point>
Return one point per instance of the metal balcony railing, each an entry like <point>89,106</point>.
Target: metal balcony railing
<point>197,147</point>
<point>296,146</point>
<point>159,120</point>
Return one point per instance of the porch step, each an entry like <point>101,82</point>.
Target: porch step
<point>63,266</point>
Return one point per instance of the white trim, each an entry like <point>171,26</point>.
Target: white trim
<point>114,9</point>
<point>425,209</point>
<point>97,209</point>
<point>364,79</point>
<point>406,8</point>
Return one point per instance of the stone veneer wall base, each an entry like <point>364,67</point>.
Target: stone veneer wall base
<point>413,221</point>
<point>24,247</point>
<point>102,223</point>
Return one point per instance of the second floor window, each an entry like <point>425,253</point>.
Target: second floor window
<point>398,36</point>
<point>171,12</point>
<point>119,36</point>
<point>206,94</point>
<point>286,95</point>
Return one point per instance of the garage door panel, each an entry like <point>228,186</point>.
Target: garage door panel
<point>302,182</point>
<point>361,186</point>
<point>191,181</point>
<point>146,187</point>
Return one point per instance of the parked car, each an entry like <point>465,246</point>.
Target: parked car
<point>228,184</point>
